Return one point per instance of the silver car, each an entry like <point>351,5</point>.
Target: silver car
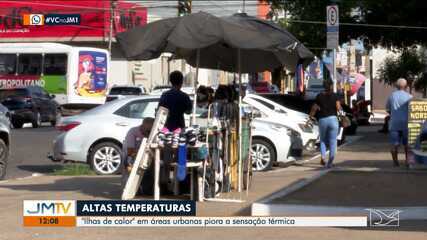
<point>96,136</point>
<point>4,139</point>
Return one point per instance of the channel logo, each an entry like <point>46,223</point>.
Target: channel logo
<point>49,208</point>
<point>33,19</point>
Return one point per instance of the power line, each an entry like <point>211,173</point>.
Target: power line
<point>359,24</point>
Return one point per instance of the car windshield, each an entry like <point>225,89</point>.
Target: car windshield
<point>125,91</point>
<point>292,102</point>
<point>5,93</point>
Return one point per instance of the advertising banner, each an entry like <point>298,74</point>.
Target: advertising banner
<point>417,115</point>
<point>73,20</point>
<point>92,74</point>
<point>56,84</point>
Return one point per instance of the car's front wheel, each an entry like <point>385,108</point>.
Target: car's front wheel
<point>105,158</point>
<point>4,154</point>
<point>263,155</point>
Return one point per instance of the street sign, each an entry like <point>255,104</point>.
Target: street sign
<point>332,26</point>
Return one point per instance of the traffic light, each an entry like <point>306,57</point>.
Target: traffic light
<point>184,7</point>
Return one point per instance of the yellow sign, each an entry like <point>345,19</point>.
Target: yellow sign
<point>417,115</point>
<point>417,111</point>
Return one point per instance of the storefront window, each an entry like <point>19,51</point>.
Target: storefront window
<point>7,63</point>
<point>30,64</point>
<point>55,64</point>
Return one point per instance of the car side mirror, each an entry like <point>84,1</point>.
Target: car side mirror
<point>52,96</point>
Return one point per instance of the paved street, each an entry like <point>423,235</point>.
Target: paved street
<point>29,148</point>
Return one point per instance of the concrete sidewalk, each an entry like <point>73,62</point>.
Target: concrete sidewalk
<point>371,151</point>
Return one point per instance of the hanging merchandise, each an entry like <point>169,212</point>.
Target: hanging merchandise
<point>182,160</point>
<point>299,78</point>
<point>315,71</point>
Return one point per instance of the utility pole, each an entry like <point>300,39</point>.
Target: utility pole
<point>244,6</point>
<point>110,37</point>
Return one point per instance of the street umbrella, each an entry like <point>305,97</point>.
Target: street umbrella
<point>238,43</point>
<point>263,45</point>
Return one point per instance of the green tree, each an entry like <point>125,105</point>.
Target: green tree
<point>409,64</point>
<point>302,15</point>
<point>421,84</point>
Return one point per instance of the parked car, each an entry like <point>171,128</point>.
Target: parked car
<point>30,105</point>
<point>96,136</point>
<point>4,139</point>
<point>273,142</point>
<point>292,118</point>
<point>117,92</point>
<point>302,105</point>
<point>158,90</point>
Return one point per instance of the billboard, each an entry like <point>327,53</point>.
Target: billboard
<point>94,21</point>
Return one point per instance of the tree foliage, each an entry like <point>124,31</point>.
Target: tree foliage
<point>409,64</point>
<point>374,12</point>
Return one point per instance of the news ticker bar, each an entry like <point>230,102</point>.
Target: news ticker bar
<point>108,208</point>
<point>190,221</point>
<point>104,213</point>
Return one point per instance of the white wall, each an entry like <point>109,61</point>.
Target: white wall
<point>120,73</point>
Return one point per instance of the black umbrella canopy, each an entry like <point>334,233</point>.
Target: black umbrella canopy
<point>261,45</point>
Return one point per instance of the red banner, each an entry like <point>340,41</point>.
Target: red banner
<point>95,19</point>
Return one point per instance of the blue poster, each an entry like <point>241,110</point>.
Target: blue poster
<point>92,78</point>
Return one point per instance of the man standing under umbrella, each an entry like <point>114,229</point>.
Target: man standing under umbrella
<point>176,101</point>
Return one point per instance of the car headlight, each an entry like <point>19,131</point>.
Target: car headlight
<point>306,128</point>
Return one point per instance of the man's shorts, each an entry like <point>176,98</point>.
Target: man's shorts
<point>399,137</point>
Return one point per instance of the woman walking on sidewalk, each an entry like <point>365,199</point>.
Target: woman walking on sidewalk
<point>326,106</point>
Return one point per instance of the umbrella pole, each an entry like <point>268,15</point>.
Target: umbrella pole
<point>196,83</point>
<point>240,173</point>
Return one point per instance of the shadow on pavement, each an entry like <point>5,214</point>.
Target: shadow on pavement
<point>98,187</point>
<point>39,129</point>
<point>44,169</point>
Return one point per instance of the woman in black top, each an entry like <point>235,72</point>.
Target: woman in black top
<point>326,106</point>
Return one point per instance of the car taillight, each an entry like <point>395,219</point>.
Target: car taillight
<point>67,126</point>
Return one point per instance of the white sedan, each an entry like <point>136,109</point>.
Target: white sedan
<point>96,136</point>
<point>291,118</point>
<point>273,142</point>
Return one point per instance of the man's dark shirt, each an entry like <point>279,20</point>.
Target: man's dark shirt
<point>178,103</point>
